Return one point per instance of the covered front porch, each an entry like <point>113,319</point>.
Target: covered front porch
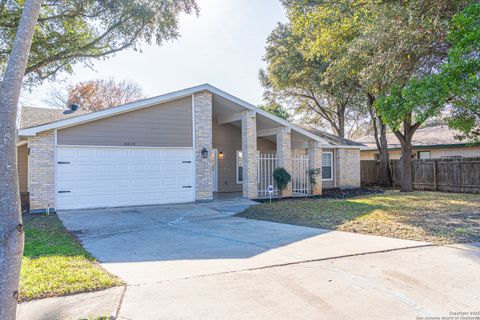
<point>247,145</point>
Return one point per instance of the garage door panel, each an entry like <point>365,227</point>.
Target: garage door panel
<point>120,168</point>
<point>120,153</point>
<point>66,154</point>
<point>105,177</point>
<point>85,153</point>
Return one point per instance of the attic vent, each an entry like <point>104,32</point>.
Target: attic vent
<point>74,107</point>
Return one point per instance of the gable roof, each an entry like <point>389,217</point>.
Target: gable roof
<point>32,116</point>
<point>333,139</point>
<point>440,135</point>
<point>92,116</point>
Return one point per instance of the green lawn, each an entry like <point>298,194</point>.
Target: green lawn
<point>428,216</point>
<point>55,264</point>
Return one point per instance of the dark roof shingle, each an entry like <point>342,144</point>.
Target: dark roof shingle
<point>428,136</point>
<point>333,139</point>
<point>33,117</point>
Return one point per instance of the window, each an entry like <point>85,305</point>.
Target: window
<point>423,155</point>
<point>239,167</point>
<point>327,166</point>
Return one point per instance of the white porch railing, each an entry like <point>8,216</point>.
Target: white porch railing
<point>266,164</point>
<point>300,183</point>
<point>269,162</point>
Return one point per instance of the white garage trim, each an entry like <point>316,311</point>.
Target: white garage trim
<point>93,176</point>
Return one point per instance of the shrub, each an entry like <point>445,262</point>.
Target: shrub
<point>282,178</point>
<point>312,176</point>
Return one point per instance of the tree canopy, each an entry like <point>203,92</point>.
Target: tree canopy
<point>300,82</point>
<point>98,94</point>
<point>276,110</point>
<point>72,31</point>
<point>455,84</point>
<point>389,50</point>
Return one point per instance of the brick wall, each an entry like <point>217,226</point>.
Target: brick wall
<point>41,170</point>
<point>203,139</point>
<point>315,162</point>
<point>284,154</point>
<point>348,168</point>
<point>249,152</point>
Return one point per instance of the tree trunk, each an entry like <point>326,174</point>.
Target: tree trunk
<point>407,178</point>
<point>385,174</point>
<point>406,161</point>
<point>11,227</point>
<point>341,122</point>
<point>380,134</point>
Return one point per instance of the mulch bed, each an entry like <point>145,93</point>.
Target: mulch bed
<point>331,194</point>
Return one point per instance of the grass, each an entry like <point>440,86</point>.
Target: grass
<point>55,264</point>
<point>435,217</point>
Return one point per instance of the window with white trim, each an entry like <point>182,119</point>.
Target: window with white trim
<point>327,166</point>
<point>239,167</point>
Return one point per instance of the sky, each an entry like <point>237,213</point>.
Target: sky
<point>223,46</point>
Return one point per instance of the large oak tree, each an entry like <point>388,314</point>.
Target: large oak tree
<point>39,40</point>
<point>302,83</point>
<point>382,44</point>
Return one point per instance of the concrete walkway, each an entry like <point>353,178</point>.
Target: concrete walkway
<point>198,261</point>
<point>91,305</point>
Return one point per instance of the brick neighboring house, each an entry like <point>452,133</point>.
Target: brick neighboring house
<point>435,142</point>
<point>180,147</point>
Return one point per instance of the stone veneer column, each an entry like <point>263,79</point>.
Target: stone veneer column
<point>348,168</point>
<point>203,139</point>
<point>41,171</point>
<point>249,154</point>
<point>284,154</point>
<point>315,162</point>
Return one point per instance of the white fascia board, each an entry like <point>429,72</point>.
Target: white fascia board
<point>339,146</point>
<point>160,99</point>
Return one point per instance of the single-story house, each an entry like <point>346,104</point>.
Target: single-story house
<point>179,147</point>
<point>433,142</point>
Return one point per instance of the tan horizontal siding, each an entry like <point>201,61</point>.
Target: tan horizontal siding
<point>165,125</point>
<point>227,138</point>
<point>22,163</point>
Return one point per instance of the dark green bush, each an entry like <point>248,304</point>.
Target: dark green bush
<point>282,178</point>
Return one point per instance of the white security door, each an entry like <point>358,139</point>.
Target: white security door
<point>92,177</point>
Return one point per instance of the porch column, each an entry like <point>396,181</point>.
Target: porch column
<point>249,154</point>
<point>202,103</point>
<point>284,154</point>
<point>315,162</point>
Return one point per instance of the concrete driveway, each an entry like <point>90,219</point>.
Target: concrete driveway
<point>198,261</point>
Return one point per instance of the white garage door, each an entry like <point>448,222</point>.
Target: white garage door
<point>92,177</point>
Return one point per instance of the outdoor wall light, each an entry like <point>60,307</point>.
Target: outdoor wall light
<point>204,153</point>
<point>220,155</point>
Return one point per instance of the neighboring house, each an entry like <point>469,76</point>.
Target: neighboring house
<point>179,147</point>
<point>434,142</point>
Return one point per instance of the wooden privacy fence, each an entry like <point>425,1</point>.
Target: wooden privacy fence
<point>450,175</point>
